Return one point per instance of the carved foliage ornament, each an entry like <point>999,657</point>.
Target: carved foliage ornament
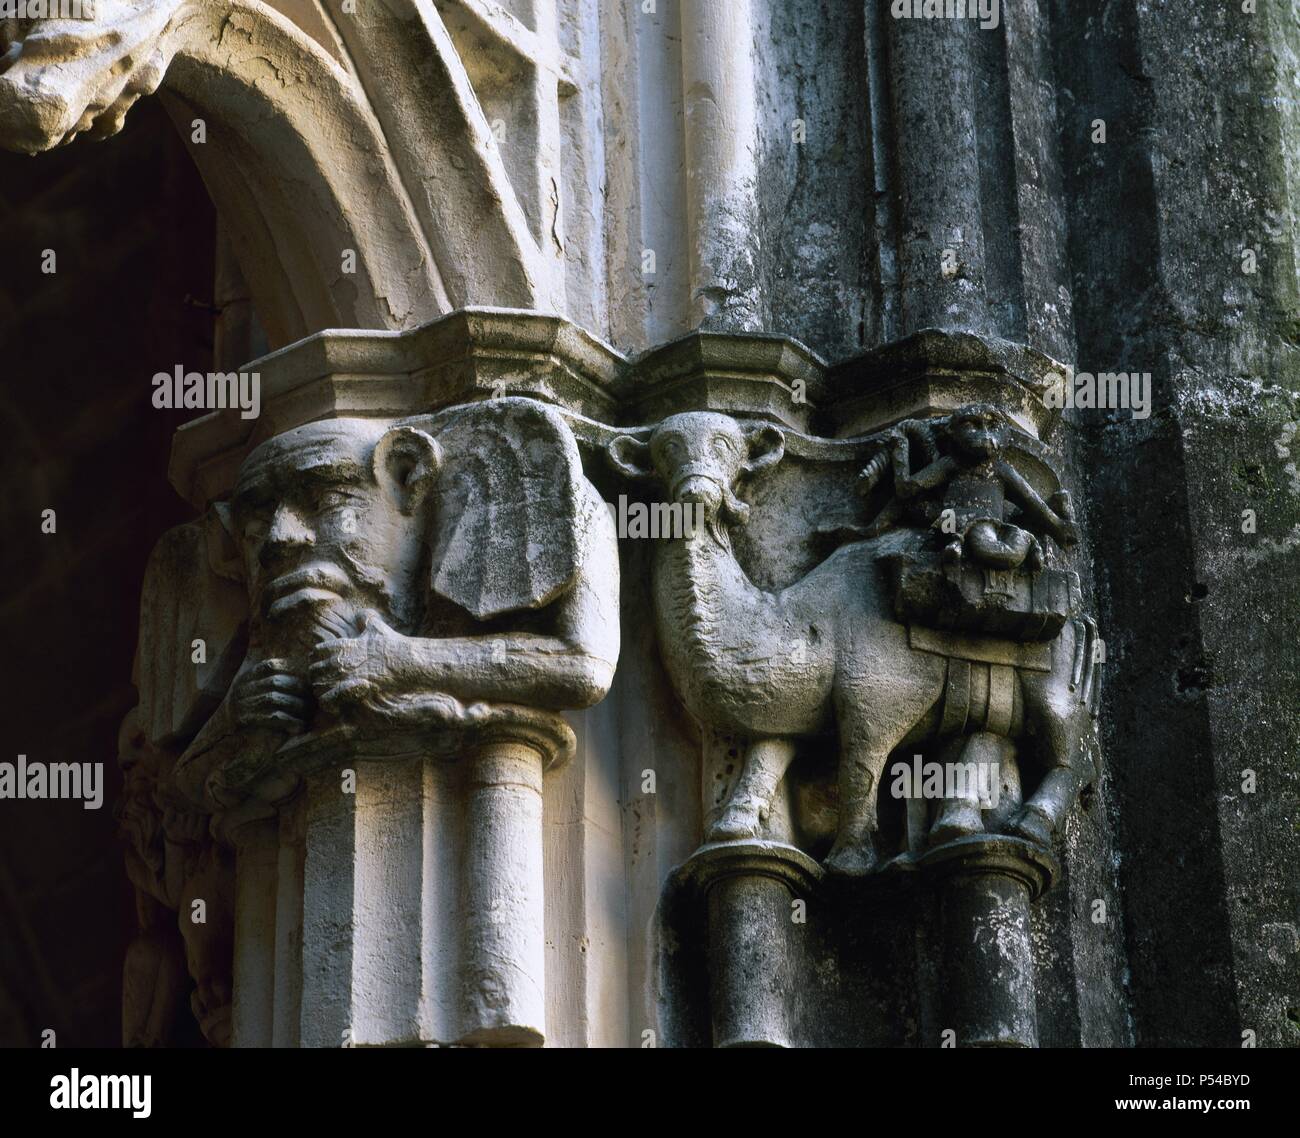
<point>60,78</point>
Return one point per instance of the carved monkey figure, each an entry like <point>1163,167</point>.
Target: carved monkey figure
<point>963,463</point>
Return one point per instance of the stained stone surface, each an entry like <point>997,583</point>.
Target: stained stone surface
<point>753,264</point>
<point>1206,614</point>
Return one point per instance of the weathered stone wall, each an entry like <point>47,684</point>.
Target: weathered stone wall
<point>932,214</point>
<point>1199,105</point>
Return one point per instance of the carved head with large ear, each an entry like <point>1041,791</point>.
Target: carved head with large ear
<point>406,463</point>
<point>699,457</point>
<point>510,525</point>
<point>322,514</point>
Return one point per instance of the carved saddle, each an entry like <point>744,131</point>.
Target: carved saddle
<point>976,600</point>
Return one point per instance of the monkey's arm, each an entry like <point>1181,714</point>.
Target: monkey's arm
<point>539,671</point>
<point>1062,530</point>
<point>908,485</point>
<point>886,519</point>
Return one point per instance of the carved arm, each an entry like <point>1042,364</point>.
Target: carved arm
<point>1062,529</point>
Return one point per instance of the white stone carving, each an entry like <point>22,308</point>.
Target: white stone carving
<point>425,593</point>
<point>826,652</point>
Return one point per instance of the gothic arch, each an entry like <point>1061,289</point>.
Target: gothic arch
<point>298,161</point>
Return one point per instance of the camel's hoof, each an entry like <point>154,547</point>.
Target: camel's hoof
<point>735,824</point>
<point>851,861</point>
<point>1033,826</point>
<point>956,822</point>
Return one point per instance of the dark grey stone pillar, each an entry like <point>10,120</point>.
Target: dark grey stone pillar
<point>749,891</point>
<point>1183,247</point>
<point>986,885</point>
<point>936,162</point>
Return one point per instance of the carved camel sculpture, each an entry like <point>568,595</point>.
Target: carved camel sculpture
<point>824,653</point>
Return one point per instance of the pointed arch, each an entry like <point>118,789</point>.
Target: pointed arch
<point>299,162</point>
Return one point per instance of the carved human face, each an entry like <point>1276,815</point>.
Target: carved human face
<point>974,433</point>
<point>322,536</point>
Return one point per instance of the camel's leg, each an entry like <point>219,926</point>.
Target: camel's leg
<point>982,756</point>
<point>1040,816</point>
<point>1043,813</point>
<point>1056,717</point>
<point>875,714</point>
<point>960,815</point>
<point>747,809</point>
<point>861,766</point>
<point>865,747</point>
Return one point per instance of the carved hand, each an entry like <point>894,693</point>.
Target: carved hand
<point>184,827</point>
<point>385,676</point>
<point>1068,533</point>
<point>270,697</point>
<point>365,670</point>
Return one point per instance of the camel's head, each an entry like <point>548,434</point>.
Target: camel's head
<point>699,457</point>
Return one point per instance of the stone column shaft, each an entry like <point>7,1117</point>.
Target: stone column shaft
<point>503,911</point>
<point>721,144</point>
<point>750,972</point>
<point>988,979</point>
<point>985,886</point>
<point>253,976</point>
<point>936,163</point>
<point>378,906</point>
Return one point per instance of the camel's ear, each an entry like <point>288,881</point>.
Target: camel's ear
<point>407,460</point>
<point>766,446</point>
<point>630,456</point>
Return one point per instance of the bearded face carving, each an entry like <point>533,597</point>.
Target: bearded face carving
<point>323,540</point>
<point>412,575</point>
<point>432,581</point>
